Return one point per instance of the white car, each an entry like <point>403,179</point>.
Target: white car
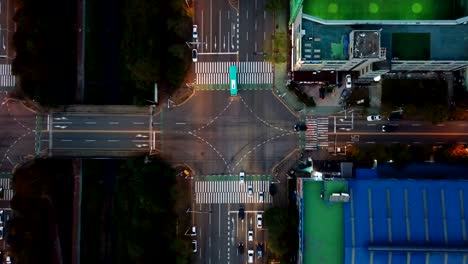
<point>374,118</point>
<point>250,255</point>
<point>348,81</point>
<point>259,220</point>
<point>8,260</point>
<point>242,177</point>
<point>261,196</point>
<point>195,32</point>
<point>250,235</point>
<point>250,190</point>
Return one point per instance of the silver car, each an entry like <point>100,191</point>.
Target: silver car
<point>250,190</point>
<point>250,255</point>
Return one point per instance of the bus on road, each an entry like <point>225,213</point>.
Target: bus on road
<point>233,80</point>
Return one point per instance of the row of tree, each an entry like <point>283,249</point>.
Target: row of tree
<point>45,45</point>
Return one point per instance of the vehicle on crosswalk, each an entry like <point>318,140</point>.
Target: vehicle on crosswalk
<point>259,220</point>
<point>242,177</point>
<point>250,190</point>
<point>300,127</point>
<point>250,235</point>
<point>261,197</point>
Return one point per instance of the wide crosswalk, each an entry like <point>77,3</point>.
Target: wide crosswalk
<point>316,135</point>
<point>7,193</point>
<point>6,78</point>
<point>214,192</point>
<point>253,72</point>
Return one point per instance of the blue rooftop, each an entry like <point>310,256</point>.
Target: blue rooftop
<point>406,221</point>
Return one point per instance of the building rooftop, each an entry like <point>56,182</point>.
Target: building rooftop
<point>385,219</point>
<point>322,223</point>
<point>331,42</point>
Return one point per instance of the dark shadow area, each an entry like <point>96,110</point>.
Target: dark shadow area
<point>40,231</point>
<point>130,45</point>
<point>128,213</point>
<point>45,47</point>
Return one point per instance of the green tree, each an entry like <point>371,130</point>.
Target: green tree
<point>282,227</point>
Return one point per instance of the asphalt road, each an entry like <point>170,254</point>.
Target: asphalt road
<point>7,29</point>
<point>216,133</point>
<point>256,27</point>
<point>17,130</point>
<point>220,230</point>
<point>408,132</point>
<point>95,133</point>
<point>232,30</point>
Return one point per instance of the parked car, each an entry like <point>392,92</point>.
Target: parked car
<point>250,235</point>
<point>194,231</point>
<point>250,255</point>
<point>259,250</point>
<point>194,55</point>
<point>8,260</point>
<point>374,118</point>
<point>194,246</point>
<point>345,94</point>
<point>348,81</point>
<point>1,216</point>
<point>250,190</point>
<point>195,32</point>
<point>261,197</point>
<point>389,128</point>
<point>259,220</point>
<point>1,232</point>
<point>241,177</point>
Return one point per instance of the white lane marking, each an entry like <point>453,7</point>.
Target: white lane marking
<point>113,140</point>
<point>370,142</point>
<point>66,140</point>
<point>415,124</point>
<point>181,123</point>
<point>113,123</point>
<point>90,123</point>
<point>138,123</point>
<point>156,123</point>
<point>90,140</point>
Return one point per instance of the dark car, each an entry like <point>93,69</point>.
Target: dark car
<point>389,128</point>
<point>240,248</point>
<point>345,94</point>
<point>259,250</point>
<point>300,127</point>
<point>241,213</point>
<point>395,116</point>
